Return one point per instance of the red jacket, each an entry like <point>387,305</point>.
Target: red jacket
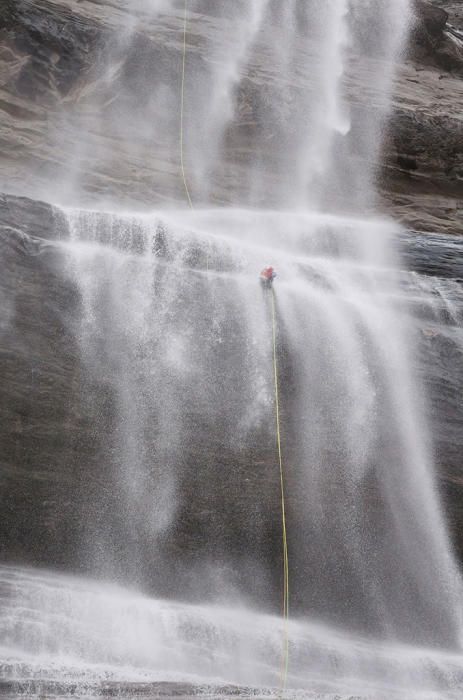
<point>268,273</point>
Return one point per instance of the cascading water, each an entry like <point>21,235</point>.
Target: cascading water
<point>175,342</point>
<point>83,633</point>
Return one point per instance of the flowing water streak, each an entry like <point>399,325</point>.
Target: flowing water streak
<point>211,84</point>
<point>302,109</point>
<point>379,31</point>
<point>332,120</point>
<point>120,341</point>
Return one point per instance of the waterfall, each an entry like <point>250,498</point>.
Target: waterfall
<point>173,317</point>
<point>284,106</point>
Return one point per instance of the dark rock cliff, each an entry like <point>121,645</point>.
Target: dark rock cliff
<point>422,180</point>
<point>49,54</point>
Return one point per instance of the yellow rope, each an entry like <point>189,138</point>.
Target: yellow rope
<point>182,108</point>
<point>285,658</point>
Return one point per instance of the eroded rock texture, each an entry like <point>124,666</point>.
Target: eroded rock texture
<point>72,120</point>
<point>423,172</point>
<point>59,132</point>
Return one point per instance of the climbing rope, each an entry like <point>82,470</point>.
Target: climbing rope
<point>182,108</point>
<point>285,657</point>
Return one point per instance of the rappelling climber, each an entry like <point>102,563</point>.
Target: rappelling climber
<point>267,276</point>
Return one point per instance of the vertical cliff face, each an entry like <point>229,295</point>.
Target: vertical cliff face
<point>72,367</point>
<point>43,416</point>
<point>72,119</point>
<point>422,178</point>
<point>70,72</point>
<point>437,35</point>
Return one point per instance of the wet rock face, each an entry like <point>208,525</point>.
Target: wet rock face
<point>435,41</point>
<point>62,99</point>
<point>30,219</point>
<point>59,493</point>
<point>58,490</point>
<point>49,50</point>
<point>431,20</point>
<point>45,53</point>
<point>423,167</point>
<point>39,422</point>
<point>422,178</point>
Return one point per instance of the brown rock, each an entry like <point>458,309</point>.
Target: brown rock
<point>434,42</point>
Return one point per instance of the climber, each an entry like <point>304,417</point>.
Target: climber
<point>267,276</point>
